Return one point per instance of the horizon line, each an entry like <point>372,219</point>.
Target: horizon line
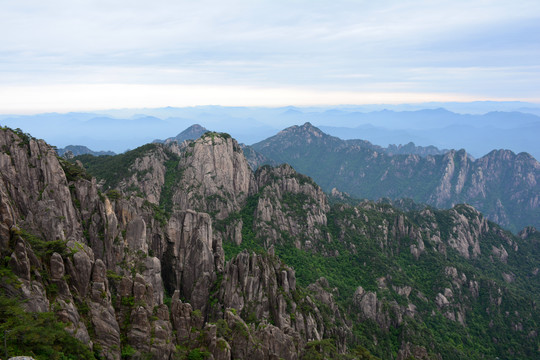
<point>66,98</point>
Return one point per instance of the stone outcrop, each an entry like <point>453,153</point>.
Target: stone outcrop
<point>216,177</point>
<point>192,257</point>
<point>291,203</point>
<point>386,313</point>
<point>140,269</point>
<point>33,293</point>
<point>106,329</point>
<point>261,287</point>
<point>34,181</point>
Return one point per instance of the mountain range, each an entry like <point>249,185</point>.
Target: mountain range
<point>503,185</point>
<point>182,251</point>
<point>76,150</point>
<point>472,126</point>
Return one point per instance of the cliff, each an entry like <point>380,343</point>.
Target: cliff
<point>181,251</point>
<point>502,185</point>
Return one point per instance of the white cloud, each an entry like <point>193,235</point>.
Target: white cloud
<point>277,44</point>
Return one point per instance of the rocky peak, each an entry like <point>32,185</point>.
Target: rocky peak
<point>34,179</point>
<point>124,256</point>
<point>497,183</point>
<point>289,202</point>
<point>191,133</point>
<point>262,287</point>
<point>216,176</point>
<point>298,140</point>
<point>307,131</point>
<point>147,173</point>
<point>310,129</point>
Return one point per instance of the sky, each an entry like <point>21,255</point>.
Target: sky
<point>77,55</point>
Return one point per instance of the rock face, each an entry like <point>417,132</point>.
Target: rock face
<point>108,266</point>
<point>261,287</point>
<point>192,257</point>
<point>135,266</point>
<point>107,331</point>
<point>503,185</point>
<point>216,175</point>
<point>289,203</point>
<point>33,179</point>
<point>385,313</point>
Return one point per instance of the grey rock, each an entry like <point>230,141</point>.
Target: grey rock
<point>217,175</point>
<point>107,331</point>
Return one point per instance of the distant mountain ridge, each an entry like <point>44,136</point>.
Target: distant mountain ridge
<point>411,148</point>
<point>503,185</point>
<point>257,158</point>
<point>77,150</point>
<point>191,133</point>
<point>472,126</point>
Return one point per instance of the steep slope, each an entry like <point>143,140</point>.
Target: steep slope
<point>256,159</point>
<point>503,185</point>
<point>180,251</point>
<point>105,264</point>
<point>412,282</point>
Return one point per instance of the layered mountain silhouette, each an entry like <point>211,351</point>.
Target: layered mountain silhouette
<point>76,150</point>
<point>503,185</point>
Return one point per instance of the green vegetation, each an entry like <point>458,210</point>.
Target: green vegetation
<point>363,171</point>
<point>42,248</point>
<point>127,352</point>
<point>249,240</point>
<point>213,135</point>
<point>113,169</point>
<point>113,194</point>
<point>173,175</point>
<point>73,171</point>
<point>37,334</point>
<point>198,354</point>
<point>364,249</point>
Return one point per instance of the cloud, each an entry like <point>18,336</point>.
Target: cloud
<point>417,46</point>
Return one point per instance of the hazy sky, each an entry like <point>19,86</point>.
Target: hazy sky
<point>82,55</point>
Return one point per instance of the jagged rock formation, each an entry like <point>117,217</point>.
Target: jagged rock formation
<point>217,176</point>
<point>110,271</point>
<point>411,149</point>
<point>155,260</point>
<point>289,203</point>
<point>256,159</point>
<point>503,185</point>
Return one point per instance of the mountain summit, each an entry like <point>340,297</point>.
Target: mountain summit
<point>191,133</point>
<point>502,184</point>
